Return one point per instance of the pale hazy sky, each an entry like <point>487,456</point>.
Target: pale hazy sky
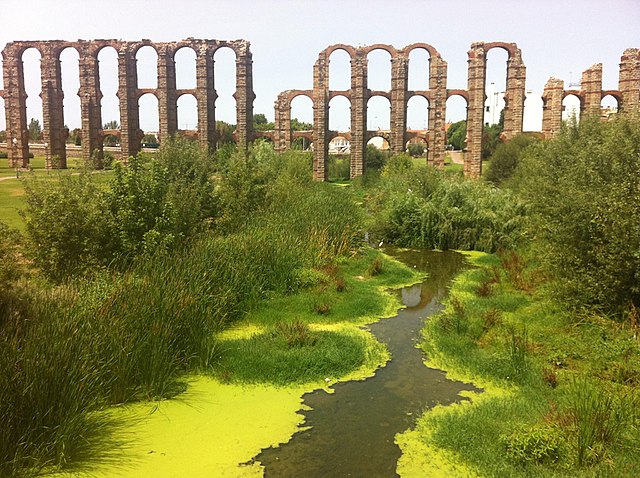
<point>557,38</point>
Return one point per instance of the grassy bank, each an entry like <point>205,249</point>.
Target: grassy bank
<point>262,369</point>
<point>561,390</point>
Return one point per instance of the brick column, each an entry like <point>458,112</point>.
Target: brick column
<point>90,103</point>
<point>628,81</point>
<point>552,107</point>
<point>244,96</point>
<point>399,85</point>
<point>515,95</point>
<point>437,110</point>
<point>206,98</point>
<point>475,110</point>
<point>320,118</point>
<point>282,140</point>
<point>591,86</point>
<point>15,105</point>
<point>359,97</point>
<point>130,134</point>
<point>167,106</point>
<point>53,129</point>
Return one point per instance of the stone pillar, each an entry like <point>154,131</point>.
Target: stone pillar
<point>399,85</point>
<point>90,102</point>
<point>244,96</point>
<point>628,81</point>
<point>320,118</point>
<point>206,98</point>
<point>475,110</point>
<point>515,95</point>
<point>167,101</point>
<point>552,107</point>
<point>15,104</point>
<point>437,111</point>
<point>130,134</point>
<point>591,86</point>
<point>53,129</point>
<point>359,97</point>
<point>282,140</point>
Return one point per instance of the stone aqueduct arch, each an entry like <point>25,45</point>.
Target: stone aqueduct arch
<point>399,96</point>
<point>54,132</point>
<point>591,93</point>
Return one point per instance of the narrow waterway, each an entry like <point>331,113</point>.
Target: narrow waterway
<point>351,432</point>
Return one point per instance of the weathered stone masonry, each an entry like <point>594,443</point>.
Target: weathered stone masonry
<point>54,132</point>
<point>399,96</point>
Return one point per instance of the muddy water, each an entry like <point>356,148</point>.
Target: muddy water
<point>352,430</point>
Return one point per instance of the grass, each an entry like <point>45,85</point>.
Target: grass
<point>559,400</point>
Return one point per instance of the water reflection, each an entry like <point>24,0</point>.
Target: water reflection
<point>352,430</point>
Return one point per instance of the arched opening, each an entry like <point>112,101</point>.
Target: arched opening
<point>301,113</point>
<point>533,104</point>
<point>456,126</point>
<point>185,60</point>
<point>70,72</point>
<point>608,107</point>
<point>187,112</point>
<point>496,85</point>
<point>416,147</point>
<point>418,113</point>
<point>149,116</point>
<point>33,87</point>
<point>225,84</point>
<point>108,71</point>
<point>339,114</point>
<point>379,142</point>
<point>378,114</point>
<point>571,108</point>
<point>379,70</point>
<point>147,67</point>
<point>339,71</point>
<point>419,69</point>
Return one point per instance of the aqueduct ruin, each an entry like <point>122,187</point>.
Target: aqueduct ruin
<point>54,131</point>
<point>589,95</point>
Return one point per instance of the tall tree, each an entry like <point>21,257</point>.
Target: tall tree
<point>35,130</point>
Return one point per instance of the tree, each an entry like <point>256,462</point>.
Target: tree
<point>506,157</point>
<point>35,130</point>
<point>75,137</point>
<point>113,124</point>
<point>260,123</point>
<point>224,132</point>
<point>583,189</point>
<point>3,136</point>
<point>297,125</point>
<point>456,135</point>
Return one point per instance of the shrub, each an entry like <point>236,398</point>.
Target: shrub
<point>583,190</point>
<point>506,157</point>
<point>541,444</point>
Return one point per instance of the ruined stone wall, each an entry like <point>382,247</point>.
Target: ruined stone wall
<point>590,93</point>
<point>54,132</point>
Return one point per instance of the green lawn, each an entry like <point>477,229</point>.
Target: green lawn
<point>37,165</point>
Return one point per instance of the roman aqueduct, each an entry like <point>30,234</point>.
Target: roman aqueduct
<point>589,95</point>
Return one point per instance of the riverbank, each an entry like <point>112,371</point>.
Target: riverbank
<point>561,389</point>
<point>221,422</point>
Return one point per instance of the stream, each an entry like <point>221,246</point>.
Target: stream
<point>351,432</point>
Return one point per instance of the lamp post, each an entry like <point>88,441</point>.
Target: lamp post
<point>47,163</point>
<point>14,141</point>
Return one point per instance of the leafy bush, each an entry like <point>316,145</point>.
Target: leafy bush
<point>583,188</point>
<point>541,444</point>
<point>423,207</point>
<point>506,157</point>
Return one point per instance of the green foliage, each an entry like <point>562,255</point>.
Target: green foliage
<point>35,130</point>
<point>374,158</point>
<point>3,136</point>
<point>65,224</point>
<point>224,133</point>
<point>541,444</point>
<point>457,134</point>
<point>423,207</point>
<point>260,123</point>
<point>490,139</point>
<point>416,149</point>
<point>75,137</point>
<point>113,124</point>
<point>506,158</point>
<point>583,188</point>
